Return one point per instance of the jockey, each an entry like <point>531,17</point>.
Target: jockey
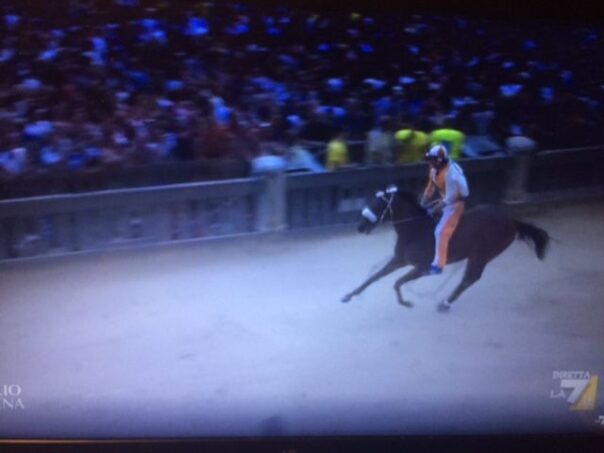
<point>446,176</point>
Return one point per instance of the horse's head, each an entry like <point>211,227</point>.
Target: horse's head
<point>378,210</point>
<point>391,203</point>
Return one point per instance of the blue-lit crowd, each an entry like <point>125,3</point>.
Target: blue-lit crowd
<point>100,84</point>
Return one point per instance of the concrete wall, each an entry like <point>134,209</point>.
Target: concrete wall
<point>62,224</point>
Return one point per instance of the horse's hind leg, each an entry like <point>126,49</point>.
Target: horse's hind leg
<point>472,274</point>
<point>391,266</point>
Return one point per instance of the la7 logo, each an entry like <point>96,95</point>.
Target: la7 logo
<point>578,386</point>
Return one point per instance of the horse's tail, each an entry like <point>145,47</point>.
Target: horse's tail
<point>530,233</point>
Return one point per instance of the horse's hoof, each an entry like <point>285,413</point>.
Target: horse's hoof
<point>405,303</point>
<point>443,306</point>
<point>346,298</point>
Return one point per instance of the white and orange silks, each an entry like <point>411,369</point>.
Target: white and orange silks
<point>453,189</point>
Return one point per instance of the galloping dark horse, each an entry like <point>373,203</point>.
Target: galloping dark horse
<point>482,234</point>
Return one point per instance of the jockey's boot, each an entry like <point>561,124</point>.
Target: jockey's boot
<point>434,270</point>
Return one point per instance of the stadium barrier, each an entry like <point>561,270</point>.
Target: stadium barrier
<point>121,177</point>
<point>565,169</point>
<point>111,219</point>
<point>334,198</point>
<point>60,224</point>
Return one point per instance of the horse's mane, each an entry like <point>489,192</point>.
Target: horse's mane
<point>410,198</point>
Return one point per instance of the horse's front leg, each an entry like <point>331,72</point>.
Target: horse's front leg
<point>391,266</point>
<point>414,273</point>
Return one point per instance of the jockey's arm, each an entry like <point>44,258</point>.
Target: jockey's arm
<point>428,192</point>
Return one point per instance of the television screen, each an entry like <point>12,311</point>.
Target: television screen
<point>243,220</point>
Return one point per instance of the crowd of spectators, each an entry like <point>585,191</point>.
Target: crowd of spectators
<point>96,84</point>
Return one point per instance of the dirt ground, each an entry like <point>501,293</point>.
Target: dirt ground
<point>249,337</point>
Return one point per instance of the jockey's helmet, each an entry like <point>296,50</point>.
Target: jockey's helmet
<point>437,156</point>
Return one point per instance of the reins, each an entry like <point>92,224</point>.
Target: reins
<point>408,219</point>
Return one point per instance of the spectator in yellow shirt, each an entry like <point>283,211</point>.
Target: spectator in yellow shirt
<point>411,145</point>
<point>337,152</point>
<point>452,139</point>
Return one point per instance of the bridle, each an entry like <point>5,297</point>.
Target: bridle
<point>388,197</point>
